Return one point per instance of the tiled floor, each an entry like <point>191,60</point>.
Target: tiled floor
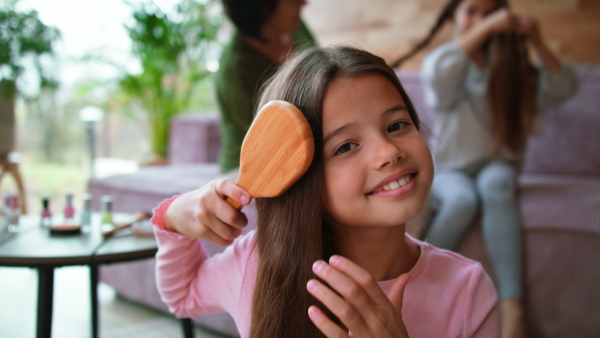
<point>71,316</point>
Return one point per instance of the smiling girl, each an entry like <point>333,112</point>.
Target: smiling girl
<point>330,256</point>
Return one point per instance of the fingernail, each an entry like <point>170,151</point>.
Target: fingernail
<point>312,285</point>
<point>312,311</point>
<point>245,199</point>
<point>334,260</point>
<point>318,266</point>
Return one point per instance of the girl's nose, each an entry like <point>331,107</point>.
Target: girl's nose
<point>386,153</point>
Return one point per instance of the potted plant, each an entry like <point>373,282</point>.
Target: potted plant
<point>172,53</point>
<point>24,39</point>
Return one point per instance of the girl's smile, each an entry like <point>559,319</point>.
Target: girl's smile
<point>378,169</point>
<point>394,186</point>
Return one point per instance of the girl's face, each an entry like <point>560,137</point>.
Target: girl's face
<point>471,12</point>
<point>286,17</point>
<point>377,167</point>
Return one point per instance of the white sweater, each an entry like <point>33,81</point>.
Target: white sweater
<point>455,90</point>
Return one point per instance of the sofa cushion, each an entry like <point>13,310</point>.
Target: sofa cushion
<point>561,203</point>
<point>567,140</point>
<point>151,185</point>
<point>194,138</point>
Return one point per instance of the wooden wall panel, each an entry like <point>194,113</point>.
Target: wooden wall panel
<point>390,28</point>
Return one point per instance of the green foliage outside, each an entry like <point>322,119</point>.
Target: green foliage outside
<point>23,35</point>
<point>173,51</point>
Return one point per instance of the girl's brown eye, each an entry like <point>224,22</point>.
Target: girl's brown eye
<point>346,147</point>
<point>399,125</point>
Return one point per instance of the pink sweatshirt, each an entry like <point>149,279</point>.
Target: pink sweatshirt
<point>448,295</point>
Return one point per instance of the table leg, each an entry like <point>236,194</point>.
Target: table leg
<point>44,308</point>
<point>188,327</point>
<point>94,298</point>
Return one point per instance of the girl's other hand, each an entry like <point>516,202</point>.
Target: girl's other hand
<point>359,303</point>
<point>501,21</point>
<point>529,27</point>
<point>204,214</point>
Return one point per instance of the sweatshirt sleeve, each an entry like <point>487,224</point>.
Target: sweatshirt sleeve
<point>556,87</point>
<point>443,73</point>
<point>193,284</point>
<point>482,318</point>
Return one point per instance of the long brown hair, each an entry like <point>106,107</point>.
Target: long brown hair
<point>292,232</point>
<point>512,82</point>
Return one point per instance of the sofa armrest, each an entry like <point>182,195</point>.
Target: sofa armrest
<point>195,138</point>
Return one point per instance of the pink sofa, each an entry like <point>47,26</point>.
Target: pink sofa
<point>560,204</point>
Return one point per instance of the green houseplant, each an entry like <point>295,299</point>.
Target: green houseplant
<point>172,53</point>
<point>24,40</point>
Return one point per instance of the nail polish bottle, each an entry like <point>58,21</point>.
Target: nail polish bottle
<point>3,218</point>
<point>46,221</point>
<point>15,213</point>
<point>107,217</point>
<point>69,211</point>
<point>5,210</point>
<point>86,212</point>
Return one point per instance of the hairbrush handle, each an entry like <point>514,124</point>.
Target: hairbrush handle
<point>233,203</point>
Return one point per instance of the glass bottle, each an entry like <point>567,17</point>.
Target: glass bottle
<point>15,213</point>
<point>69,211</point>
<point>46,220</point>
<point>4,216</point>
<point>86,212</point>
<point>107,217</point>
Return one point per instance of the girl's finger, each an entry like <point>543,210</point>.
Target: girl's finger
<point>346,284</point>
<point>324,324</point>
<point>360,276</point>
<point>348,314</point>
<point>227,188</point>
<point>203,228</point>
<point>381,308</point>
<point>228,215</point>
<point>396,293</point>
<point>360,310</point>
<point>216,239</point>
<point>221,229</point>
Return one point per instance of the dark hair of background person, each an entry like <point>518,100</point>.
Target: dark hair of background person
<point>292,231</point>
<point>512,82</point>
<point>248,16</point>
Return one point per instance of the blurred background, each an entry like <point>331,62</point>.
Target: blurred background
<point>107,54</point>
<point>89,89</point>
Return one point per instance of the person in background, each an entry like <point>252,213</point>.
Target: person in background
<point>486,95</point>
<point>266,31</point>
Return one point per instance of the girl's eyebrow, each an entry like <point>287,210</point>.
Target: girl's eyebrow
<point>395,109</point>
<point>331,135</point>
<point>334,133</point>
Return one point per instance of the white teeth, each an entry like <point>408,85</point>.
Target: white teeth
<point>396,184</point>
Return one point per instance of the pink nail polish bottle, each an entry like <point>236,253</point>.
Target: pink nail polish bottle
<point>69,211</point>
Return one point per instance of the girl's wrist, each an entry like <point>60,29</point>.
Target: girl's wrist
<point>159,218</point>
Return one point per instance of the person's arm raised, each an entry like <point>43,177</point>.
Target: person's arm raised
<point>529,27</point>
<point>471,41</point>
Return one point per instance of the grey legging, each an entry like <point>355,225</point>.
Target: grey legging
<point>460,194</point>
